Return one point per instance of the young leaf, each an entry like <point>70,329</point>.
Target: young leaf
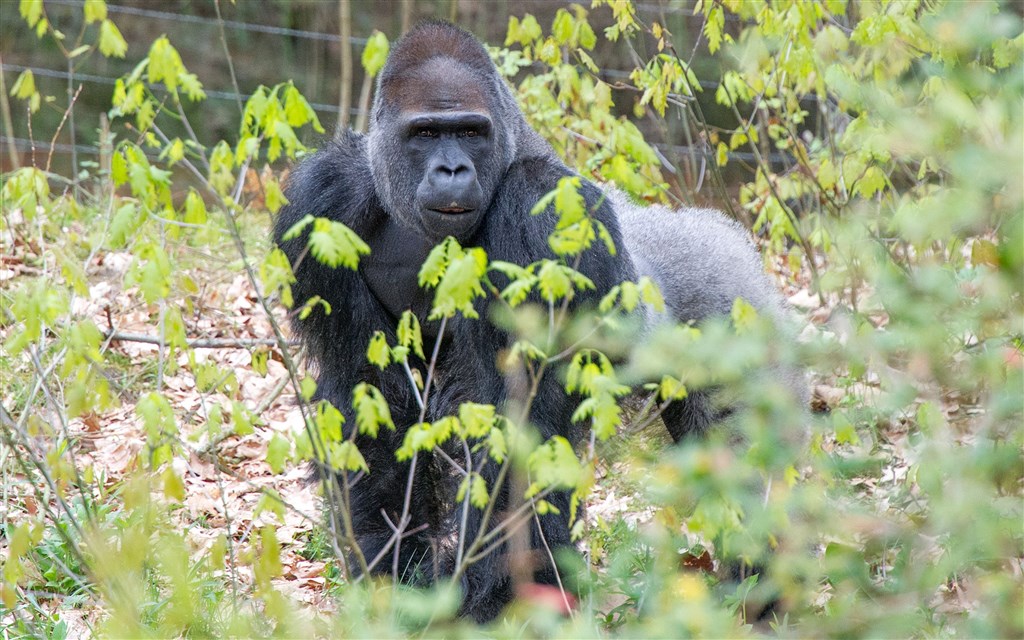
<point>334,244</point>
<point>112,43</point>
<point>375,53</point>
<point>409,334</point>
<point>94,11</point>
<point>378,352</point>
<point>371,409</point>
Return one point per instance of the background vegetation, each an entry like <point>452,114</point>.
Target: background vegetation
<point>154,425</point>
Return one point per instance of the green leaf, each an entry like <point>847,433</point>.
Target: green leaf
<point>561,28</point>
<point>553,465</point>
<point>409,334</point>
<point>94,11</point>
<point>496,445</point>
<point>112,43</point>
<point>437,261</point>
<point>650,293</point>
<point>478,496</point>
<point>846,432</point>
<point>260,358</point>
<point>378,352</point>
<point>164,64</point>
<point>477,486</point>
<point>77,51</point>
<point>173,487</point>
<point>984,252</point>
<point>671,388</point>
<point>297,111</point>
<point>873,181</point>
<point>157,417</point>
<point>328,421</point>
<point>346,456</point>
<point>557,280</point>
<point>195,208</point>
<point>126,221</point>
<point>118,169</point>
<point>713,26</point>
<point>174,152</point>
<point>222,162</point>
<point>460,285</point>
<point>371,409</point>
<point>375,53</point>
<point>743,314</point>
<point>477,419</point>
<point>273,196</point>
<point>277,452</point>
<point>31,11</point>
<point>25,89</point>
<point>307,388</point>
<point>296,229</point>
<point>334,244</point>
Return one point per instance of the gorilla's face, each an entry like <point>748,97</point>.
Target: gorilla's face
<point>444,150</point>
<point>437,149</point>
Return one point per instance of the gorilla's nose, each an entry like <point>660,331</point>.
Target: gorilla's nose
<point>452,177</point>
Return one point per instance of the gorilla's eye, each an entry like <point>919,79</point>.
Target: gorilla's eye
<point>426,133</point>
<point>470,133</point>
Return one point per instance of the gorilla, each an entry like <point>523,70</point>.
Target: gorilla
<point>449,153</point>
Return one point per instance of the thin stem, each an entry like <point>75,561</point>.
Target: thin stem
<point>412,381</point>
<point>551,559</point>
<point>403,520</point>
<point>71,114</point>
<point>345,31</point>
<point>227,56</point>
<point>5,109</point>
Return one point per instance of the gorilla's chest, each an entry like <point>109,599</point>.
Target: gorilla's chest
<point>392,268</point>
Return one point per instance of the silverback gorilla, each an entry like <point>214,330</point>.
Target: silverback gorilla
<point>449,153</point>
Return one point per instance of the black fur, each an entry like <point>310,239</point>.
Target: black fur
<point>335,183</point>
<point>369,184</point>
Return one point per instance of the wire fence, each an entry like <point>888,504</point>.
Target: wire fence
<point>229,24</point>
<point>24,144</point>
<point>109,80</point>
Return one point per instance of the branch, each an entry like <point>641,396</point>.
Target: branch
<point>198,343</point>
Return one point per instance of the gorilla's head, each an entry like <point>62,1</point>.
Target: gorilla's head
<point>443,131</point>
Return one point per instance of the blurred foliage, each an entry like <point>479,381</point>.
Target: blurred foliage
<point>887,140</point>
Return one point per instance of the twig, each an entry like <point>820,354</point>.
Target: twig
<point>551,559</point>
<point>53,141</point>
<point>199,343</point>
<point>5,108</point>
<point>276,391</point>
<point>227,56</point>
<point>345,31</point>
<point>465,503</point>
<point>70,113</point>
<point>403,520</point>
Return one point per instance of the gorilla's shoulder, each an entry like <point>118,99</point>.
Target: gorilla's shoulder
<point>335,182</point>
<point>536,173</point>
<point>343,157</point>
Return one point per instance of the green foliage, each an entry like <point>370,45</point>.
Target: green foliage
<point>591,374</point>
<point>330,242</point>
<point>375,53</point>
<point>573,108</point>
<point>886,163</point>
<point>456,275</point>
<point>25,89</point>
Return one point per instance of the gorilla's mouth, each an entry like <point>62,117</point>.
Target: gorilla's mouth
<point>452,210</point>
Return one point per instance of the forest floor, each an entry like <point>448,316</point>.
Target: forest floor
<point>226,477</point>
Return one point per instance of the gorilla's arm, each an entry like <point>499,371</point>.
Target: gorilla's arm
<point>335,183</point>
